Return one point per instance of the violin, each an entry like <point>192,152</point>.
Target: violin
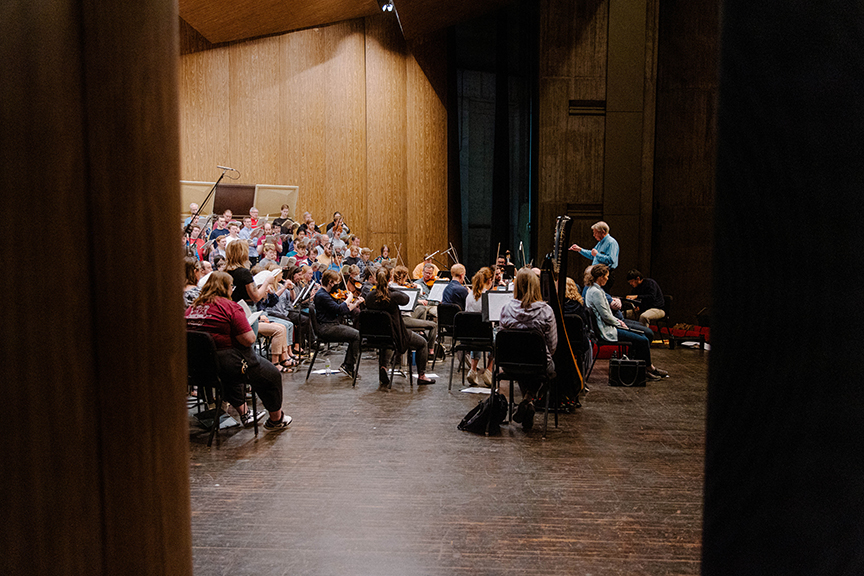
<point>339,294</point>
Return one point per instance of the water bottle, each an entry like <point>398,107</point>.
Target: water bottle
<point>327,364</point>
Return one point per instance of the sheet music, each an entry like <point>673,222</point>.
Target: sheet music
<point>493,302</point>
<point>436,293</point>
<point>412,293</point>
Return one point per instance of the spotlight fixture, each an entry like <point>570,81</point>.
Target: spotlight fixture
<point>388,7</point>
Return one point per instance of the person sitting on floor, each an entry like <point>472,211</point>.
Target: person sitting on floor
<point>388,300</point>
<point>215,313</point>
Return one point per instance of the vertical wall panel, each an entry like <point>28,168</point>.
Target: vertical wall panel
<point>345,126</point>
<point>426,147</point>
<point>573,45</point>
<point>254,104</point>
<point>386,162</point>
<point>204,114</point>
<point>303,151</point>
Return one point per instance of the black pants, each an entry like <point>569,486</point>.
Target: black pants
<point>417,343</point>
<point>265,379</point>
<point>332,332</point>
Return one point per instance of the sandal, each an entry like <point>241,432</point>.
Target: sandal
<point>286,367</point>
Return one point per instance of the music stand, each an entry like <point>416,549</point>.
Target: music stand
<point>412,293</point>
<point>436,293</point>
<point>493,302</point>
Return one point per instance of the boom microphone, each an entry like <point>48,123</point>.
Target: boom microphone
<point>227,168</point>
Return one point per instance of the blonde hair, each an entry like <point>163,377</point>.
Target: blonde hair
<point>218,285</point>
<point>236,255</point>
<point>479,281</point>
<point>457,270</point>
<point>527,287</point>
<point>572,291</point>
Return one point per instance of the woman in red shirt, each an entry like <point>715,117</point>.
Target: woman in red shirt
<point>215,313</point>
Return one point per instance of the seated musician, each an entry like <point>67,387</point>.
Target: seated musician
<point>528,311</point>
<point>614,329</point>
<point>416,319</point>
<point>455,292</point>
<point>215,313</point>
<point>330,311</point>
<point>389,299</point>
<point>425,285</point>
<point>353,256</point>
<point>385,255</point>
<point>418,270</point>
<point>480,283</point>
<point>365,255</point>
<point>647,297</point>
<point>616,306</point>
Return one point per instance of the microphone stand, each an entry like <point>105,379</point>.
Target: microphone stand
<point>200,206</point>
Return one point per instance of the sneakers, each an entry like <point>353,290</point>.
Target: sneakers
<point>346,370</point>
<point>383,377</point>
<point>658,373</point>
<point>472,377</point>
<point>282,424</point>
<point>246,419</point>
<point>487,378</point>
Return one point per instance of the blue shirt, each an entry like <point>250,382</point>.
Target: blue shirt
<point>607,252</point>
<point>455,293</point>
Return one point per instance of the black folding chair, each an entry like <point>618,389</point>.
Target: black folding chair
<point>446,319</point>
<point>521,355</point>
<point>203,370</point>
<point>316,340</point>
<point>470,334</point>
<point>376,333</point>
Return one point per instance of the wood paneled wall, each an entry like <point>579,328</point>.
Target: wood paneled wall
<point>686,143</point>
<point>95,463</point>
<point>343,111</point>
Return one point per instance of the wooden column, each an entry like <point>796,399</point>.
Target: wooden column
<point>95,473</point>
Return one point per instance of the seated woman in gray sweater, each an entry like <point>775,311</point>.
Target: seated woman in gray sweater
<point>528,311</point>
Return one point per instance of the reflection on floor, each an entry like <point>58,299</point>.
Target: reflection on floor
<point>370,481</point>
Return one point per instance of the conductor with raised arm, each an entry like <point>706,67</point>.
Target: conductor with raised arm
<point>604,252</point>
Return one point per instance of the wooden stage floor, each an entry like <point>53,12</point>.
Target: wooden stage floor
<point>368,481</point>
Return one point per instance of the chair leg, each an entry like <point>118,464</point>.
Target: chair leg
<point>546,412</point>
<point>452,357</point>
<point>255,412</point>
<point>214,431</point>
<point>312,363</point>
<point>393,361</point>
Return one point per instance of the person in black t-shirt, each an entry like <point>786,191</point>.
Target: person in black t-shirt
<point>647,297</point>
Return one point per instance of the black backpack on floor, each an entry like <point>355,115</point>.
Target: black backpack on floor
<point>488,413</point>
